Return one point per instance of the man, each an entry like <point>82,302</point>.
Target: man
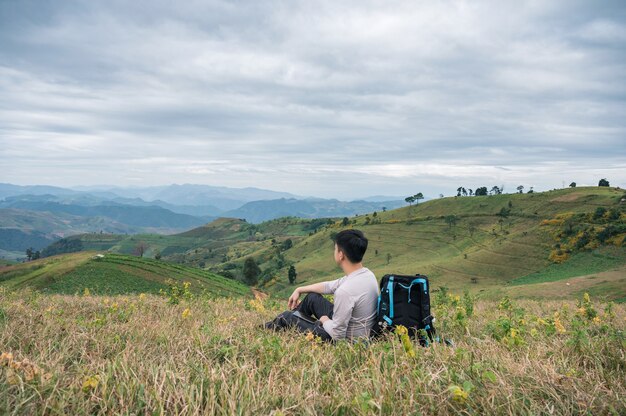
<point>356,294</point>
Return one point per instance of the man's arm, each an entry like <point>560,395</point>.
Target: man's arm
<point>293,301</point>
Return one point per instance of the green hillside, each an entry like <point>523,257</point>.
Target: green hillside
<point>490,241</point>
<point>486,243</point>
<point>112,274</point>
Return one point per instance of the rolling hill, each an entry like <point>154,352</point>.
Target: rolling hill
<point>488,244</point>
<point>112,274</point>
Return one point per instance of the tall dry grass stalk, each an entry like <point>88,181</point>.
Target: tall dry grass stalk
<point>141,355</point>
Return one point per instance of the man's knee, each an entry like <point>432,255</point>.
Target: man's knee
<point>313,296</point>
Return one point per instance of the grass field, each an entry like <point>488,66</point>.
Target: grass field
<point>579,265</point>
<point>142,355</point>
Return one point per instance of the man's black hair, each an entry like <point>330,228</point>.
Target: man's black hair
<point>352,243</point>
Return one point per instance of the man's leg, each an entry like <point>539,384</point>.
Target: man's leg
<point>287,319</point>
<point>316,305</point>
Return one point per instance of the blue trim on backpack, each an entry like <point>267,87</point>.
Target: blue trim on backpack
<point>419,280</point>
<point>386,318</point>
<point>390,290</point>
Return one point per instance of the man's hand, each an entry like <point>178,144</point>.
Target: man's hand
<point>294,299</point>
<point>324,319</point>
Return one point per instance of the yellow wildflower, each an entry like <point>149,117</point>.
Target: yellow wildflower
<point>6,358</point>
<point>91,383</point>
<point>142,296</point>
<point>12,377</point>
<point>458,394</point>
<point>597,320</point>
<point>406,341</point>
<point>86,292</point>
<point>559,326</point>
<point>533,332</point>
<point>186,313</point>
<point>310,336</point>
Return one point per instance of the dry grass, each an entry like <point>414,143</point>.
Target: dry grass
<point>141,355</point>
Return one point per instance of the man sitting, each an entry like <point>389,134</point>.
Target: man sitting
<point>356,294</point>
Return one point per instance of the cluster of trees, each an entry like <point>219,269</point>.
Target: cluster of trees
<point>31,254</point>
<point>413,198</point>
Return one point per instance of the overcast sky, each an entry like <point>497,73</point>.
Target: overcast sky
<point>326,98</point>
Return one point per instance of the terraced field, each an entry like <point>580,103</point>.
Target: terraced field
<point>113,274</point>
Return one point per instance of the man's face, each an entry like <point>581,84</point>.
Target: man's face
<point>338,255</point>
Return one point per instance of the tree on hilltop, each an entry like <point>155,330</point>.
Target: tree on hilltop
<point>409,200</point>
<point>603,182</point>
<point>520,189</point>
<point>572,185</point>
<point>482,191</point>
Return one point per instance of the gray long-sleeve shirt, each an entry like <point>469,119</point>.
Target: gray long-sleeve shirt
<point>356,299</point>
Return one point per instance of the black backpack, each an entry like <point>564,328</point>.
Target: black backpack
<point>405,300</point>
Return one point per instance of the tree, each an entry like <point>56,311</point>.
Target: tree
<point>470,192</point>
<point>36,255</point>
<point>495,190</point>
<point>29,253</point>
<point>482,191</point>
<point>603,182</point>
<point>503,212</point>
<point>292,274</point>
<point>450,220</point>
<point>417,197</point>
<point>531,191</point>
<point>520,189</point>
<point>139,249</point>
<point>464,191</point>
<point>251,271</point>
<point>440,195</point>
<point>345,221</point>
<point>572,185</point>
<point>384,209</point>
<point>287,244</point>
<point>472,227</point>
<point>409,200</point>
<point>157,255</point>
<point>458,191</point>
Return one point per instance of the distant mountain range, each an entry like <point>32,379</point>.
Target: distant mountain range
<point>259,211</point>
<point>34,216</point>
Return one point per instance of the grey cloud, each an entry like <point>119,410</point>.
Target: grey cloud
<point>291,94</point>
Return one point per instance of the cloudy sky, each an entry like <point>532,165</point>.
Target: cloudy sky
<point>326,98</point>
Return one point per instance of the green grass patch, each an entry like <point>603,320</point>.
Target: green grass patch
<point>579,265</point>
